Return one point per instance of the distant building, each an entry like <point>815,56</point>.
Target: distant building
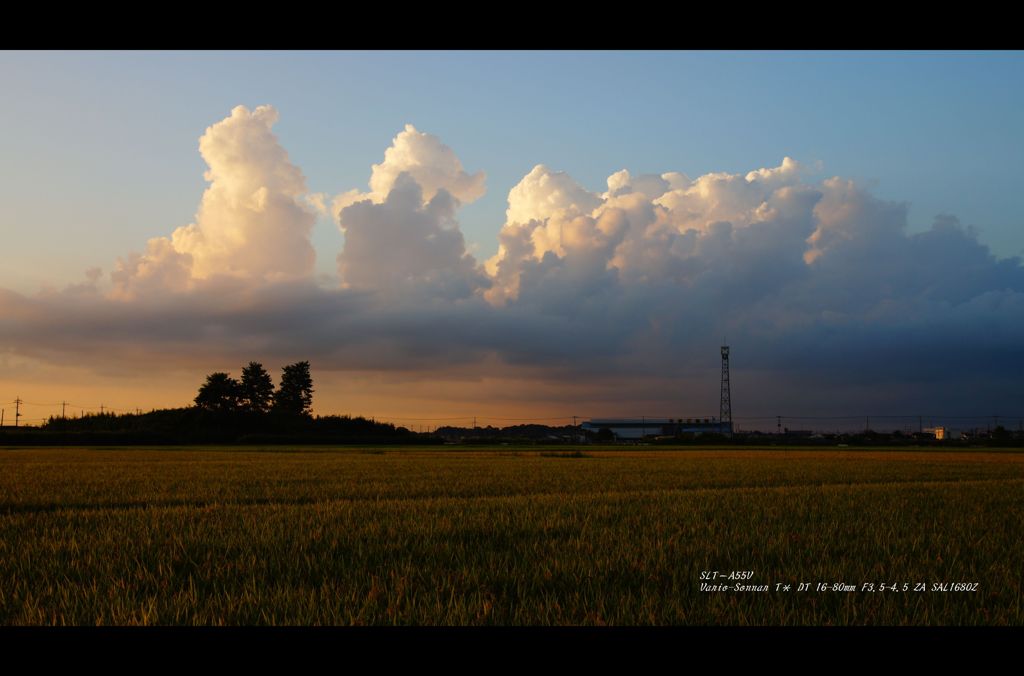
<point>638,428</point>
<point>945,433</point>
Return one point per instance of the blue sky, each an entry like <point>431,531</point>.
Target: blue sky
<point>99,151</point>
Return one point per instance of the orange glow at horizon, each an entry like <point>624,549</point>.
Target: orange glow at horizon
<point>414,400</point>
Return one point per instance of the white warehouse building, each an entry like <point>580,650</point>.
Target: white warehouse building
<point>638,428</point>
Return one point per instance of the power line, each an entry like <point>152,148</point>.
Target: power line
<point>471,417</point>
<point>856,420</point>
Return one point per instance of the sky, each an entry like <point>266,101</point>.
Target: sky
<point>516,235</point>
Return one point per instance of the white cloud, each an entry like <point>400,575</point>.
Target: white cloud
<point>406,247</point>
<point>641,224</point>
<point>547,211</point>
<point>252,222</point>
<point>161,268</point>
<point>651,186</point>
<point>318,201</point>
<point>430,163</point>
<point>544,193</point>
<point>402,238</point>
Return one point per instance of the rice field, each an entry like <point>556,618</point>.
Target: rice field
<point>518,536</point>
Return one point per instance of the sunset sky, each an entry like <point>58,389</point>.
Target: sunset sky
<point>516,236</point>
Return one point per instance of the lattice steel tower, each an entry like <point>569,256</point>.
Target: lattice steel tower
<point>725,409</point>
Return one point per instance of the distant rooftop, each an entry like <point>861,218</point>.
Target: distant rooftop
<point>641,421</point>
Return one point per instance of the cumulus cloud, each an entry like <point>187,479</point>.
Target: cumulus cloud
<point>406,246</point>
<point>431,164</point>
<point>546,212</point>
<point>544,193</point>
<point>642,226</point>
<point>830,302</point>
<point>252,222</point>
<point>801,275</point>
<point>402,239</point>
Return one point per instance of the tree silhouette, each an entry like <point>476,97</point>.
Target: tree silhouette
<point>220,392</point>
<point>257,388</point>
<point>295,395</point>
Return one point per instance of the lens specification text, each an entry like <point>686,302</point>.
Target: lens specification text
<point>717,581</point>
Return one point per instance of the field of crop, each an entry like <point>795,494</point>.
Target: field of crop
<point>517,536</point>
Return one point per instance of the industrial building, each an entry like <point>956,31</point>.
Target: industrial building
<point>638,428</point>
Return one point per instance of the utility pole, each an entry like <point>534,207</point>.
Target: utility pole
<point>2,411</point>
<point>62,405</point>
<point>574,438</point>
<point>17,410</point>
<point>101,409</point>
<point>778,424</point>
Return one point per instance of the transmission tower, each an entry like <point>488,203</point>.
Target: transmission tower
<point>725,409</point>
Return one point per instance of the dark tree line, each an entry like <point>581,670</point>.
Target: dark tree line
<point>255,393</point>
<point>245,411</point>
